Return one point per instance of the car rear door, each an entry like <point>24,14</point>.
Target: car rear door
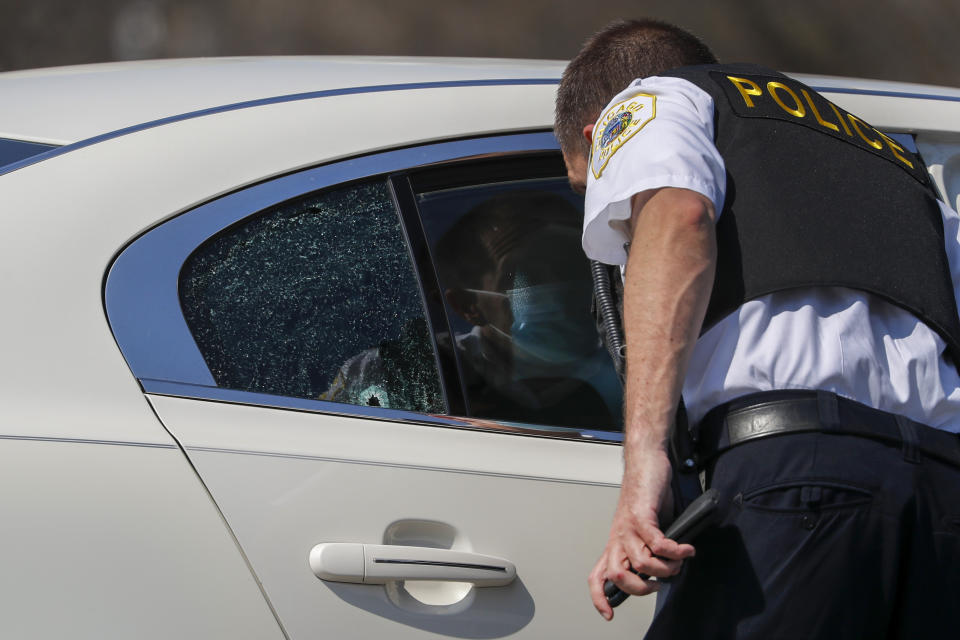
<point>334,382</point>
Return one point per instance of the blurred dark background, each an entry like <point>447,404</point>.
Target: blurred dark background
<point>912,40</point>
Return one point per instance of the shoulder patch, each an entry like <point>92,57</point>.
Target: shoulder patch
<point>617,125</point>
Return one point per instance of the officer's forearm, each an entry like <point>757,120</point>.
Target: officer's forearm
<point>667,285</point>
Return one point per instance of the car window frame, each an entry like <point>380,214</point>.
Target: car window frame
<point>142,302</point>
<point>13,151</point>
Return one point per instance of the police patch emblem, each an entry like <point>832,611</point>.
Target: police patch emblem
<point>617,125</point>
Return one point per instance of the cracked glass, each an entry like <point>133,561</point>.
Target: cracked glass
<point>315,298</point>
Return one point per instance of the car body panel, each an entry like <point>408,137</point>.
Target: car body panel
<point>118,540</point>
<point>902,113</point>
<point>108,97</point>
<point>289,480</point>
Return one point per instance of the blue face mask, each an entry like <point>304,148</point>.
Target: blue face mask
<point>551,322</point>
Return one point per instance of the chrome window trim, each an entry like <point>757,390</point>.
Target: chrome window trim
<point>266,401</point>
<point>143,306</point>
<point>247,104</point>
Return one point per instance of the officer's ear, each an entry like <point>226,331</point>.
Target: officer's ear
<point>588,133</point>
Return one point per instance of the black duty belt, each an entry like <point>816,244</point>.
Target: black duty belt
<point>774,413</point>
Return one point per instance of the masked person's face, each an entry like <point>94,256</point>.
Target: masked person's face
<point>541,305</point>
<point>550,324</point>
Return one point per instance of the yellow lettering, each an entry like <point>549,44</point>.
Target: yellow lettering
<point>856,122</point>
<point>843,122</point>
<point>746,88</point>
<point>816,114</point>
<point>797,109</point>
<point>894,148</point>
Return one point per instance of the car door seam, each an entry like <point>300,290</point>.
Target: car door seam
<point>226,524</point>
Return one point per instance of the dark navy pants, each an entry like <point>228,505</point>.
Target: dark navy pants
<point>823,536</point>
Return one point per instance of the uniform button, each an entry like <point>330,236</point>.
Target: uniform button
<point>808,521</point>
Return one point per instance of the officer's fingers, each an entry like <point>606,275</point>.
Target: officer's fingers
<point>635,552</point>
<point>616,564</point>
<point>634,584</point>
<point>649,533</point>
<point>622,575</point>
<point>664,547</point>
<point>667,548</point>
<point>595,582</point>
<point>644,562</point>
<point>657,567</point>
<point>674,566</point>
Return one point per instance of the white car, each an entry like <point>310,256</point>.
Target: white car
<point>281,356</point>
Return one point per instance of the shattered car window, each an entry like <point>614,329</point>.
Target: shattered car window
<point>315,298</point>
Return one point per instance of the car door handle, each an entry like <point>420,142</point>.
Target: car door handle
<point>381,563</point>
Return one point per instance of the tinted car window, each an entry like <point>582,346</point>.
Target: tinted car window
<point>315,298</point>
<point>15,150</point>
<point>517,289</point>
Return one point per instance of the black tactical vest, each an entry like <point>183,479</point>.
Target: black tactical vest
<point>817,197</point>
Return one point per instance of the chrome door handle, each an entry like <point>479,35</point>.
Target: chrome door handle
<point>381,563</point>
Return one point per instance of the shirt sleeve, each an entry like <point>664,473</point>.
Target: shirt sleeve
<point>656,133</point>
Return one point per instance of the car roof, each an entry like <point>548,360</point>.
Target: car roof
<point>62,105</point>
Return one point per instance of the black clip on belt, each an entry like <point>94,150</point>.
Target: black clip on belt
<point>773,413</point>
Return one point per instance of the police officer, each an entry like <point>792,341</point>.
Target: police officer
<point>792,273</point>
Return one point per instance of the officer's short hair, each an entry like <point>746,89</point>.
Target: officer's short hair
<point>609,61</point>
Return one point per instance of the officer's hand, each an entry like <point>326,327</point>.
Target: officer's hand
<point>635,536</point>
